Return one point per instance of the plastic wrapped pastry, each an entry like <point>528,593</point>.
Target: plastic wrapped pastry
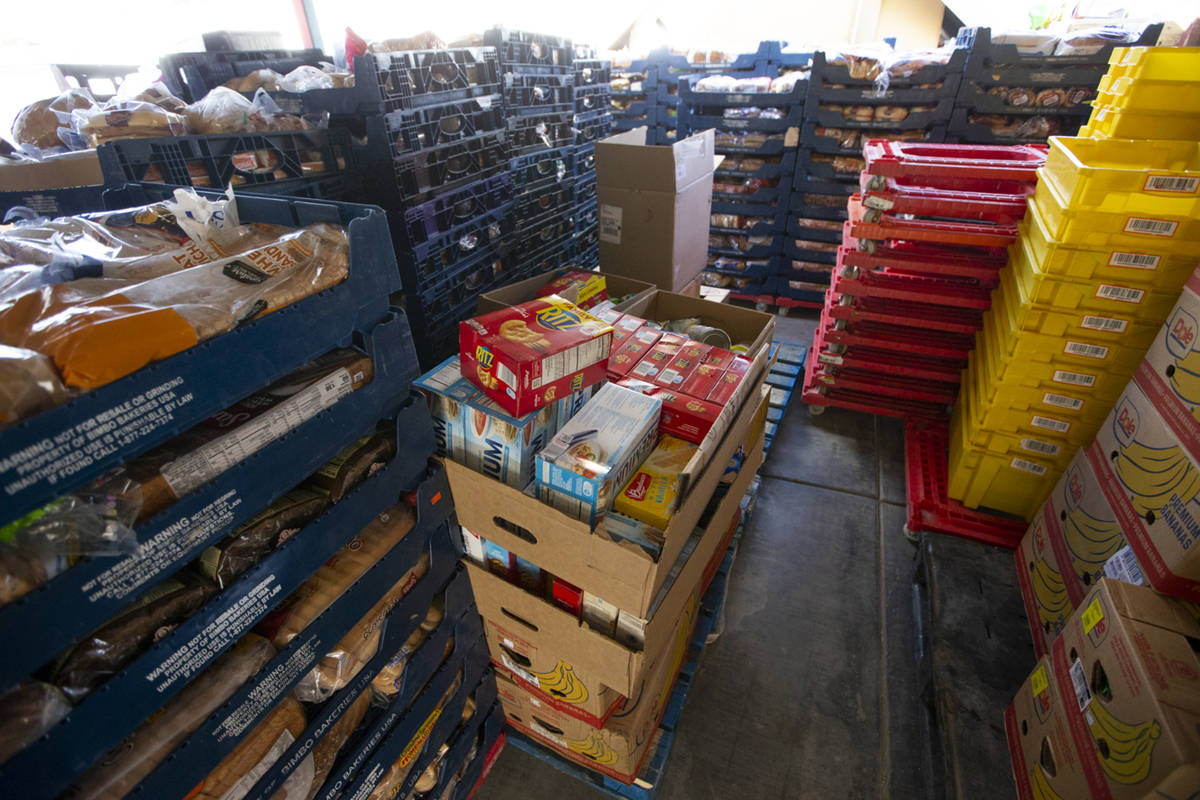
<point>29,709</point>
<point>325,754</point>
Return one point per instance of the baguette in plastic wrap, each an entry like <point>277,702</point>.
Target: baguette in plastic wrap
<point>325,753</point>
<point>236,775</point>
<point>29,709</point>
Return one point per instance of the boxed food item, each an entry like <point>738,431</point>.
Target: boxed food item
<point>1171,370</point>
<point>503,446</point>
<point>622,528</point>
<point>623,327</point>
<point>658,358</point>
<point>446,392</point>
<point>686,417</point>
<point>701,383</point>
<point>570,406</point>
<point>683,366</point>
<point>654,490</point>
<point>601,616</point>
<point>730,388</point>
<point>589,288</point>
<point>620,289</point>
<point>595,453</point>
<point>528,356</point>
<point>632,349</point>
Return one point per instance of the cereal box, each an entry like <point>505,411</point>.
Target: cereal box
<point>502,446</point>
<point>529,355</point>
<point>631,351</point>
<point>654,490</point>
<point>590,287</point>
<point>567,596</point>
<point>593,455</point>
<point>446,392</point>
<point>701,382</point>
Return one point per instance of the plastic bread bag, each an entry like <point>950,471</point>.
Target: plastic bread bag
<point>97,331</point>
<point>355,463</point>
<point>426,40</point>
<point>258,79</point>
<point>126,120</point>
<point>863,63</point>
<point>1028,42</point>
<point>222,110</point>
<point>106,650</point>
<point>715,84</point>
<point>387,684</point>
<point>237,773</point>
<point>304,78</point>
<point>29,385</point>
<point>325,753</point>
<point>905,65</point>
<point>399,771</point>
<point>1093,40</point>
<point>336,575</point>
<point>359,645</point>
<point>786,83</point>
<point>752,85</point>
<point>29,709</point>
<point>36,129</point>
<point>127,764</point>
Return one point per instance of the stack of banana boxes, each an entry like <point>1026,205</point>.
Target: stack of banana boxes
<point>589,549</point>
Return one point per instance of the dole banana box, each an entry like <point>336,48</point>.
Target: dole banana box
<point>594,454</point>
<point>1047,605</point>
<point>654,490</point>
<point>533,354</point>
<point>1172,365</point>
<point>1041,752</point>
<point>446,393</point>
<point>1128,676</point>
<point>1147,468</point>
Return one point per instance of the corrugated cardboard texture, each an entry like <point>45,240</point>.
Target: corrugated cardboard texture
<point>519,292</point>
<point>59,172</point>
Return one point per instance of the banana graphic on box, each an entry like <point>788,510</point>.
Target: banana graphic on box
<point>1125,755</point>
<point>562,683</point>
<point>1042,790</point>
<point>1054,606</point>
<point>1153,474</point>
<point>1184,378</point>
<point>1092,543</point>
<point>594,747</point>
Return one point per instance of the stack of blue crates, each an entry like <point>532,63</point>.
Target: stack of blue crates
<point>593,121</point>
<point>116,422</point>
<point>537,77</point>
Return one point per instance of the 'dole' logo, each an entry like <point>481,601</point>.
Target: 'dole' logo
<point>1039,536</point>
<point>558,319</point>
<point>1125,423</point>
<point>638,487</point>
<point>484,356</point>
<point>1074,488</point>
<point>1181,333</point>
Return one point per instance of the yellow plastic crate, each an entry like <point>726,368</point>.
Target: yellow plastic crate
<point>1054,452</point>
<point>1166,272</point>
<point>1006,483</point>
<point>1155,63</point>
<point>1099,174</point>
<point>1139,95</point>
<point>1131,227</point>
<point>1107,122</point>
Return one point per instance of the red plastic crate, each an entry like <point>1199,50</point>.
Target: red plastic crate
<point>896,196</point>
<point>888,362</point>
<point>934,292</point>
<point>884,385</point>
<point>791,302</point>
<point>963,234</point>
<point>944,164</point>
<point>903,312</point>
<point>817,394</point>
<point>969,265</point>
<point>886,336</point>
<point>929,508</point>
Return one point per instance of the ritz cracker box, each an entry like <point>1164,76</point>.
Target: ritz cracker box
<point>530,355</point>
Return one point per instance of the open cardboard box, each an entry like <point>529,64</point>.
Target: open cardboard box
<point>81,168</point>
<point>522,291</point>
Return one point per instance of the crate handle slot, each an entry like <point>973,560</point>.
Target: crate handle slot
<point>515,618</point>
<point>513,654</point>
<point>514,529</point>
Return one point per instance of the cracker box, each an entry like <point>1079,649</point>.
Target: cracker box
<point>446,393</point>
<point>719,357</point>
<point>631,351</point>
<point>652,493</point>
<point>682,416</point>
<point>591,458</point>
<point>731,386</point>
<point>590,287</point>
<point>530,355</point>
<point>502,446</point>
<point>683,366</point>
<point>658,358</point>
<point>625,327</point>
<point>622,528</point>
<point>701,383</point>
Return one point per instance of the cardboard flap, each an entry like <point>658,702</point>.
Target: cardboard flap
<point>694,158</point>
<point>625,161</point>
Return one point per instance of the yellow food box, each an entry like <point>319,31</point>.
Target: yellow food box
<point>653,492</point>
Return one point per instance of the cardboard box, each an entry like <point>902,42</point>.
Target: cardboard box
<point>1172,365</point>
<point>1148,467</point>
<point>1043,758</point>
<point>63,171</point>
<point>1047,605</point>
<point>745,326</point>
<point>617,286</point>
<point>588,289</point>
<point>654,204</point>
<point>528,356</point>
<point>1123,682</point>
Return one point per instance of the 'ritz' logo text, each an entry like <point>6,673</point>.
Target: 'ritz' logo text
<point>558,319</point>
<point>484,356</point>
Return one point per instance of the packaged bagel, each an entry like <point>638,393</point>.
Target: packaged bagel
<point>387,684</point>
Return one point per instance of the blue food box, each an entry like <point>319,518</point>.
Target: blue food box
<point>504,447</point>
<point>446,393</point>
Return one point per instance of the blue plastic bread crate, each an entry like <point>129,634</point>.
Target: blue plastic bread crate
<point>531,53</point>
<point>832,83</point>
<point>803,294</point>
<point>591,72</point>
<point>416,78</point>
<point>817,111</point>
<point>402,133</point>
<point>270,161</point>
<point>179,70</point>
<point>401,622</point>
<point>460,282</point>
<point>811,165</point>
<point>552,231</point>
<point>483,727</point>
<point>443,253</point>
<point>490,733</point>
<point>733,166</point>
<point>831,231</point>
<point>534,132</point>
<point>531,206</point>
<point>770,218</point>
<point>694,99</point>
<point>1019,129</point>
<point>542,168</point>
<point>813,205</point>
<point>423,175</point>
<point>53,202</point>
<point>745,250</point>
<point>592,126</point>
<point>804,182</point>
<point>213,374</point>
<point>993,98</point>
<point>755,270</point>
<point>585,190</point>
<point>799,248</point>
<point>538,94</point>
<point>746,191</point>
<point>985,58</point>
<point>689,120</point>
<point>113,711</point>
<point>594,97</point>
<point>449,210</point>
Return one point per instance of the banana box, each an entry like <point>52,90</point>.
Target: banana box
<point>1148,466</point>
<point>1172,365</point>
<point>1043,758</point>
<point>533,354</point>
<point>446,392</point>
<point>1128,677</point>
<point>620,746</point>
<point>1043,589</point>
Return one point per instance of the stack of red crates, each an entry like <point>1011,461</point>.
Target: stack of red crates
<point>921,252</point>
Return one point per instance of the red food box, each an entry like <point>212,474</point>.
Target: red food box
<point>728,387</point>
<point>685,363</point>
<point>688,417</point>
<point>720,357</point>
<point>631,351</point>
<point>625,327</point>
<point>609,315</point>
<point>590,287</point>
<point>659,357</point>
<point>568,597</point>
<point>701,382</point>
<point>528,356</point>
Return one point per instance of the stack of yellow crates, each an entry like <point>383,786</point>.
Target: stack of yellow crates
<point>1148,93</point>
<point>1111,234</point>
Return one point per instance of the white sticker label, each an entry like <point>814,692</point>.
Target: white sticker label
<point>1056,425</point>
<point>1086,350</point>
<point>1074,378</point>
<point>1123,566</point>
<point>1106,324</point>
<point>1028,466</point>
<point>518,671</point>
<point>1062,401</point>
<point>1151,227</point>
<point>1171,183</point>
<point>1038,446</point>
<point>1134,260</point>
<point>1083,695</point>
<point>610,224</point>
<point>1122,294</point>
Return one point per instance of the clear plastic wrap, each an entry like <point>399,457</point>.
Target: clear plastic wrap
<point>722,84</point>
<point>399,771</point>
<point>305,78</point>
<point>1028,42</point>
<point>222,110</point>
<point>325,753</point>
<point>258,79</point>
<point>863,63</point>
<point>126,120</point>
<point>127,764</point>
<point>225,561</point>
<point>37,127</point>
<point>237,773</point>
<point>29,709</point>
<point>786,82</point>
<point>29,385</point>
<point>752,85</point>
<point>426,40</point>
<point>355,463</point>
<point>1093,40</point>
<point>387,684</point>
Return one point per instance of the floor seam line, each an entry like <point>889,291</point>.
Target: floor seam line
<point>818,485</point>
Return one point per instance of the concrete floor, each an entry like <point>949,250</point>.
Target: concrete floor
<point>811,690</point>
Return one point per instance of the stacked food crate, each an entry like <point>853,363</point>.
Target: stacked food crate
<point>216,552</point>
<point>538,79</point>
<point>921,252</point>
<point>1112,232</point>
<point>593,121</point>
<point>645,92</point>
<point>853,98</point>
<point>1147,93</point>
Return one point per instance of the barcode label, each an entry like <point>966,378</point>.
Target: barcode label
<point>1079,680</point>
<point>1122,294</point>
<point>1050,424</point>
<point>1107,324</point>
<point>518,671</point>
<point>1170,183</point>
<point>611,223</point>
<point>1151,227</point>
<point>1038,446</point>
<point>1074,378</point>
<point>1062,401</point>
<point>1085,350</point>
<point>1123,566</point>
<point>1028,466</point>
<point>1134,260</point>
